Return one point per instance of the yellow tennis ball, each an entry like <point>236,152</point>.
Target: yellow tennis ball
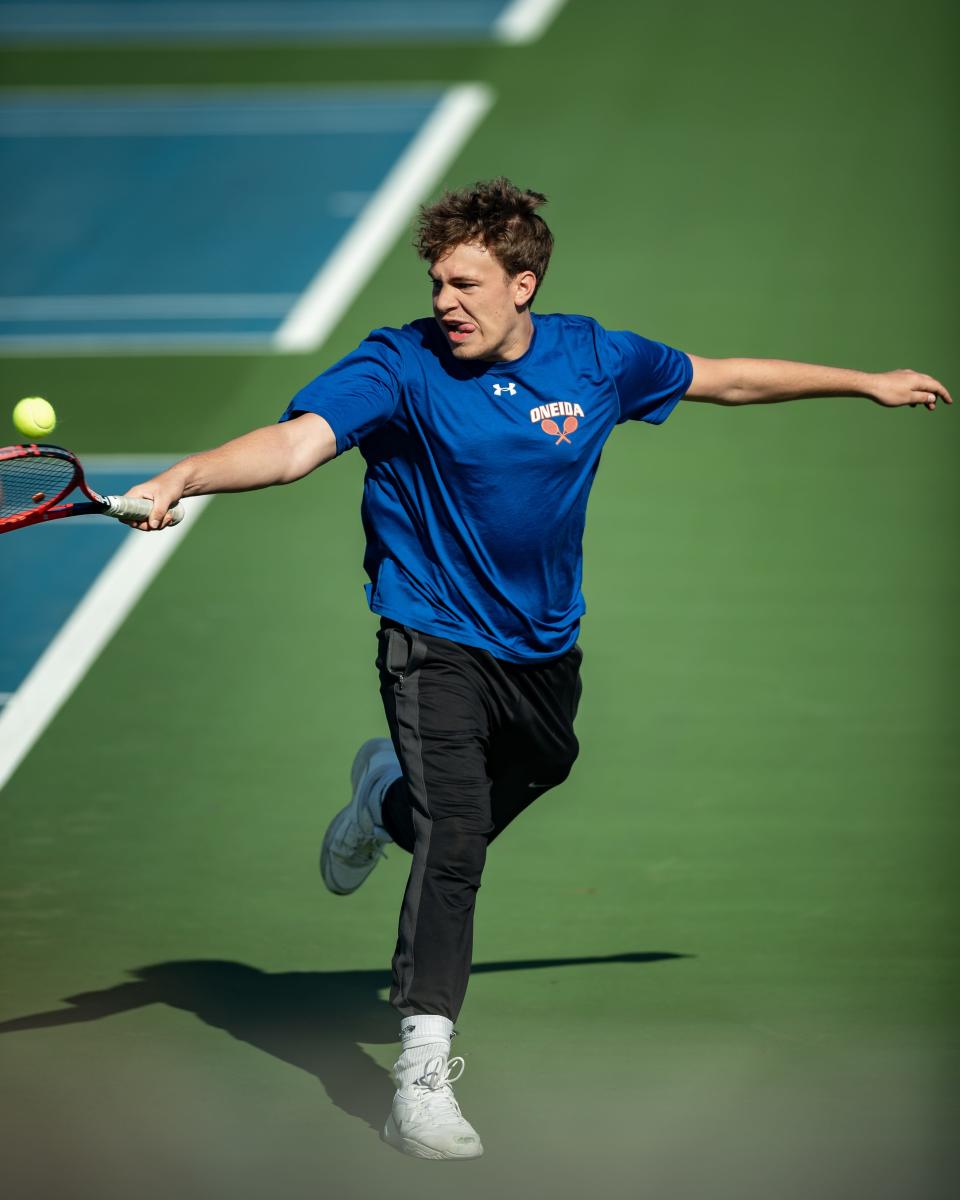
<point>34,417</point>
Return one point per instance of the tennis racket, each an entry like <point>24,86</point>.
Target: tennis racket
<point>35,480</point>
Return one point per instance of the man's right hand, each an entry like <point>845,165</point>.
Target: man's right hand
<point>165,490</point>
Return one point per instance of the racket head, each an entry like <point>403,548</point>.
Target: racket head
<point>549,426</point>
<point>570,425</point>
<point>34,479</point>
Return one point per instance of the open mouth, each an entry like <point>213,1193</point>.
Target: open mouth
<point>458,331</point>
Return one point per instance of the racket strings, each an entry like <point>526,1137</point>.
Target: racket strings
<point>33,480</point>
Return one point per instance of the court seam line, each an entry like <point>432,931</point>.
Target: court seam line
<point>92,463</point>
<point>209,20</point>
<point>355,92</point>
<point>85,633</point>
<point>126,128</point>
<point>363,247</point>
<point>117,305</point>
<point>140,341</point>
<point>521,21</point>
<point>135,345</point>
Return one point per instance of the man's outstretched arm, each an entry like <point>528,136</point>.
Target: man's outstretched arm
<point>768,380</point>
<point>264,457</point>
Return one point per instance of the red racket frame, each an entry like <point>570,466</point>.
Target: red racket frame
<point>48,510</point>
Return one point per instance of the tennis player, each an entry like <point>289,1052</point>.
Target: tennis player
<point>482,429</point>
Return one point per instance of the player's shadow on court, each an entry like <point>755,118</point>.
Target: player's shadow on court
<point>313,1020</point>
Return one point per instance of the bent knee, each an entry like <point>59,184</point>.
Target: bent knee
<point>552,775</point>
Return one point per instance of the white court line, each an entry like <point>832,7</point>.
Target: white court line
<point>525,20</point>
<point>361,250</point>
<point>91,625</point>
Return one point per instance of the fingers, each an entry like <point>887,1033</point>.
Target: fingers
<point>143,526</point>
<point>158,516</point>
<point>921,391</point>
<point>930,390</point>
<point>163,501</point>
<point>161,506</point>
<point>928,400</point>
<point>132,523</point>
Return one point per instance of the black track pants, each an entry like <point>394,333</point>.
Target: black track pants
<point>478,739</point>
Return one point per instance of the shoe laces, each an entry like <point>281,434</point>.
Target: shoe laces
<point>366,851</point>
<point>368,845</point>
<point>433,1086</point>
<point>361,846</point>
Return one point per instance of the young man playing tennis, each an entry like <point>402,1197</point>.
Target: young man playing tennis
<point>475,424</point>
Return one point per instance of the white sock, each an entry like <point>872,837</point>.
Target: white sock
<point>423,1037</point>
<point>378,793</point>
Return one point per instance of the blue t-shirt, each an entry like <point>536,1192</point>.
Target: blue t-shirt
<point>478,474</point>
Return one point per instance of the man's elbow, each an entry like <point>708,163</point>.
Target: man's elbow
<point>311,443</point>
<point>715,381</point>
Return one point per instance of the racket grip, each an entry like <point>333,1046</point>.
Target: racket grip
<point>132,508</point>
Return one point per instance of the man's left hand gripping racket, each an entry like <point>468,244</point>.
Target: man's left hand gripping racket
<point>34,480</point>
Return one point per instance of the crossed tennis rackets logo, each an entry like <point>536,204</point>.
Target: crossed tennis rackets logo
<point>544,414</point>
<point>569,426</point>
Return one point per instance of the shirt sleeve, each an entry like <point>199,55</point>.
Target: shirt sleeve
<point>357,394</point>
<point>650,377</point>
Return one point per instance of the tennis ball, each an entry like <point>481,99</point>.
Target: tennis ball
<point>34,417</point>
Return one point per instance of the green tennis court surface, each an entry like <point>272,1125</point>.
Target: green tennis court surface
<point>720,961</point>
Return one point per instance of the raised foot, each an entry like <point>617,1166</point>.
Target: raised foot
<point>354,841</point>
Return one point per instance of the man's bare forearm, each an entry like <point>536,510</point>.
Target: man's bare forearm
<point>769,380</point>
<point>736,381</point>
<point>264,457</point>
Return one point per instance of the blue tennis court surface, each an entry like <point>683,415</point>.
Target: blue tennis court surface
<point>48,569</point>
<point>354,20</point>
<point>179,216</point>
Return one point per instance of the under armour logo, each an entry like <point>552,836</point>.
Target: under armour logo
<point>500,388</point>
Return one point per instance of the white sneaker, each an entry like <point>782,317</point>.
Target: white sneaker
<point>354,841</point>
<point>426,1120</point>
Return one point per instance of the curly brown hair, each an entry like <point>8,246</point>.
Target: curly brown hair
<point>496,214</point>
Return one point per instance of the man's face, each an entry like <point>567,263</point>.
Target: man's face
<point>479,306</point>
